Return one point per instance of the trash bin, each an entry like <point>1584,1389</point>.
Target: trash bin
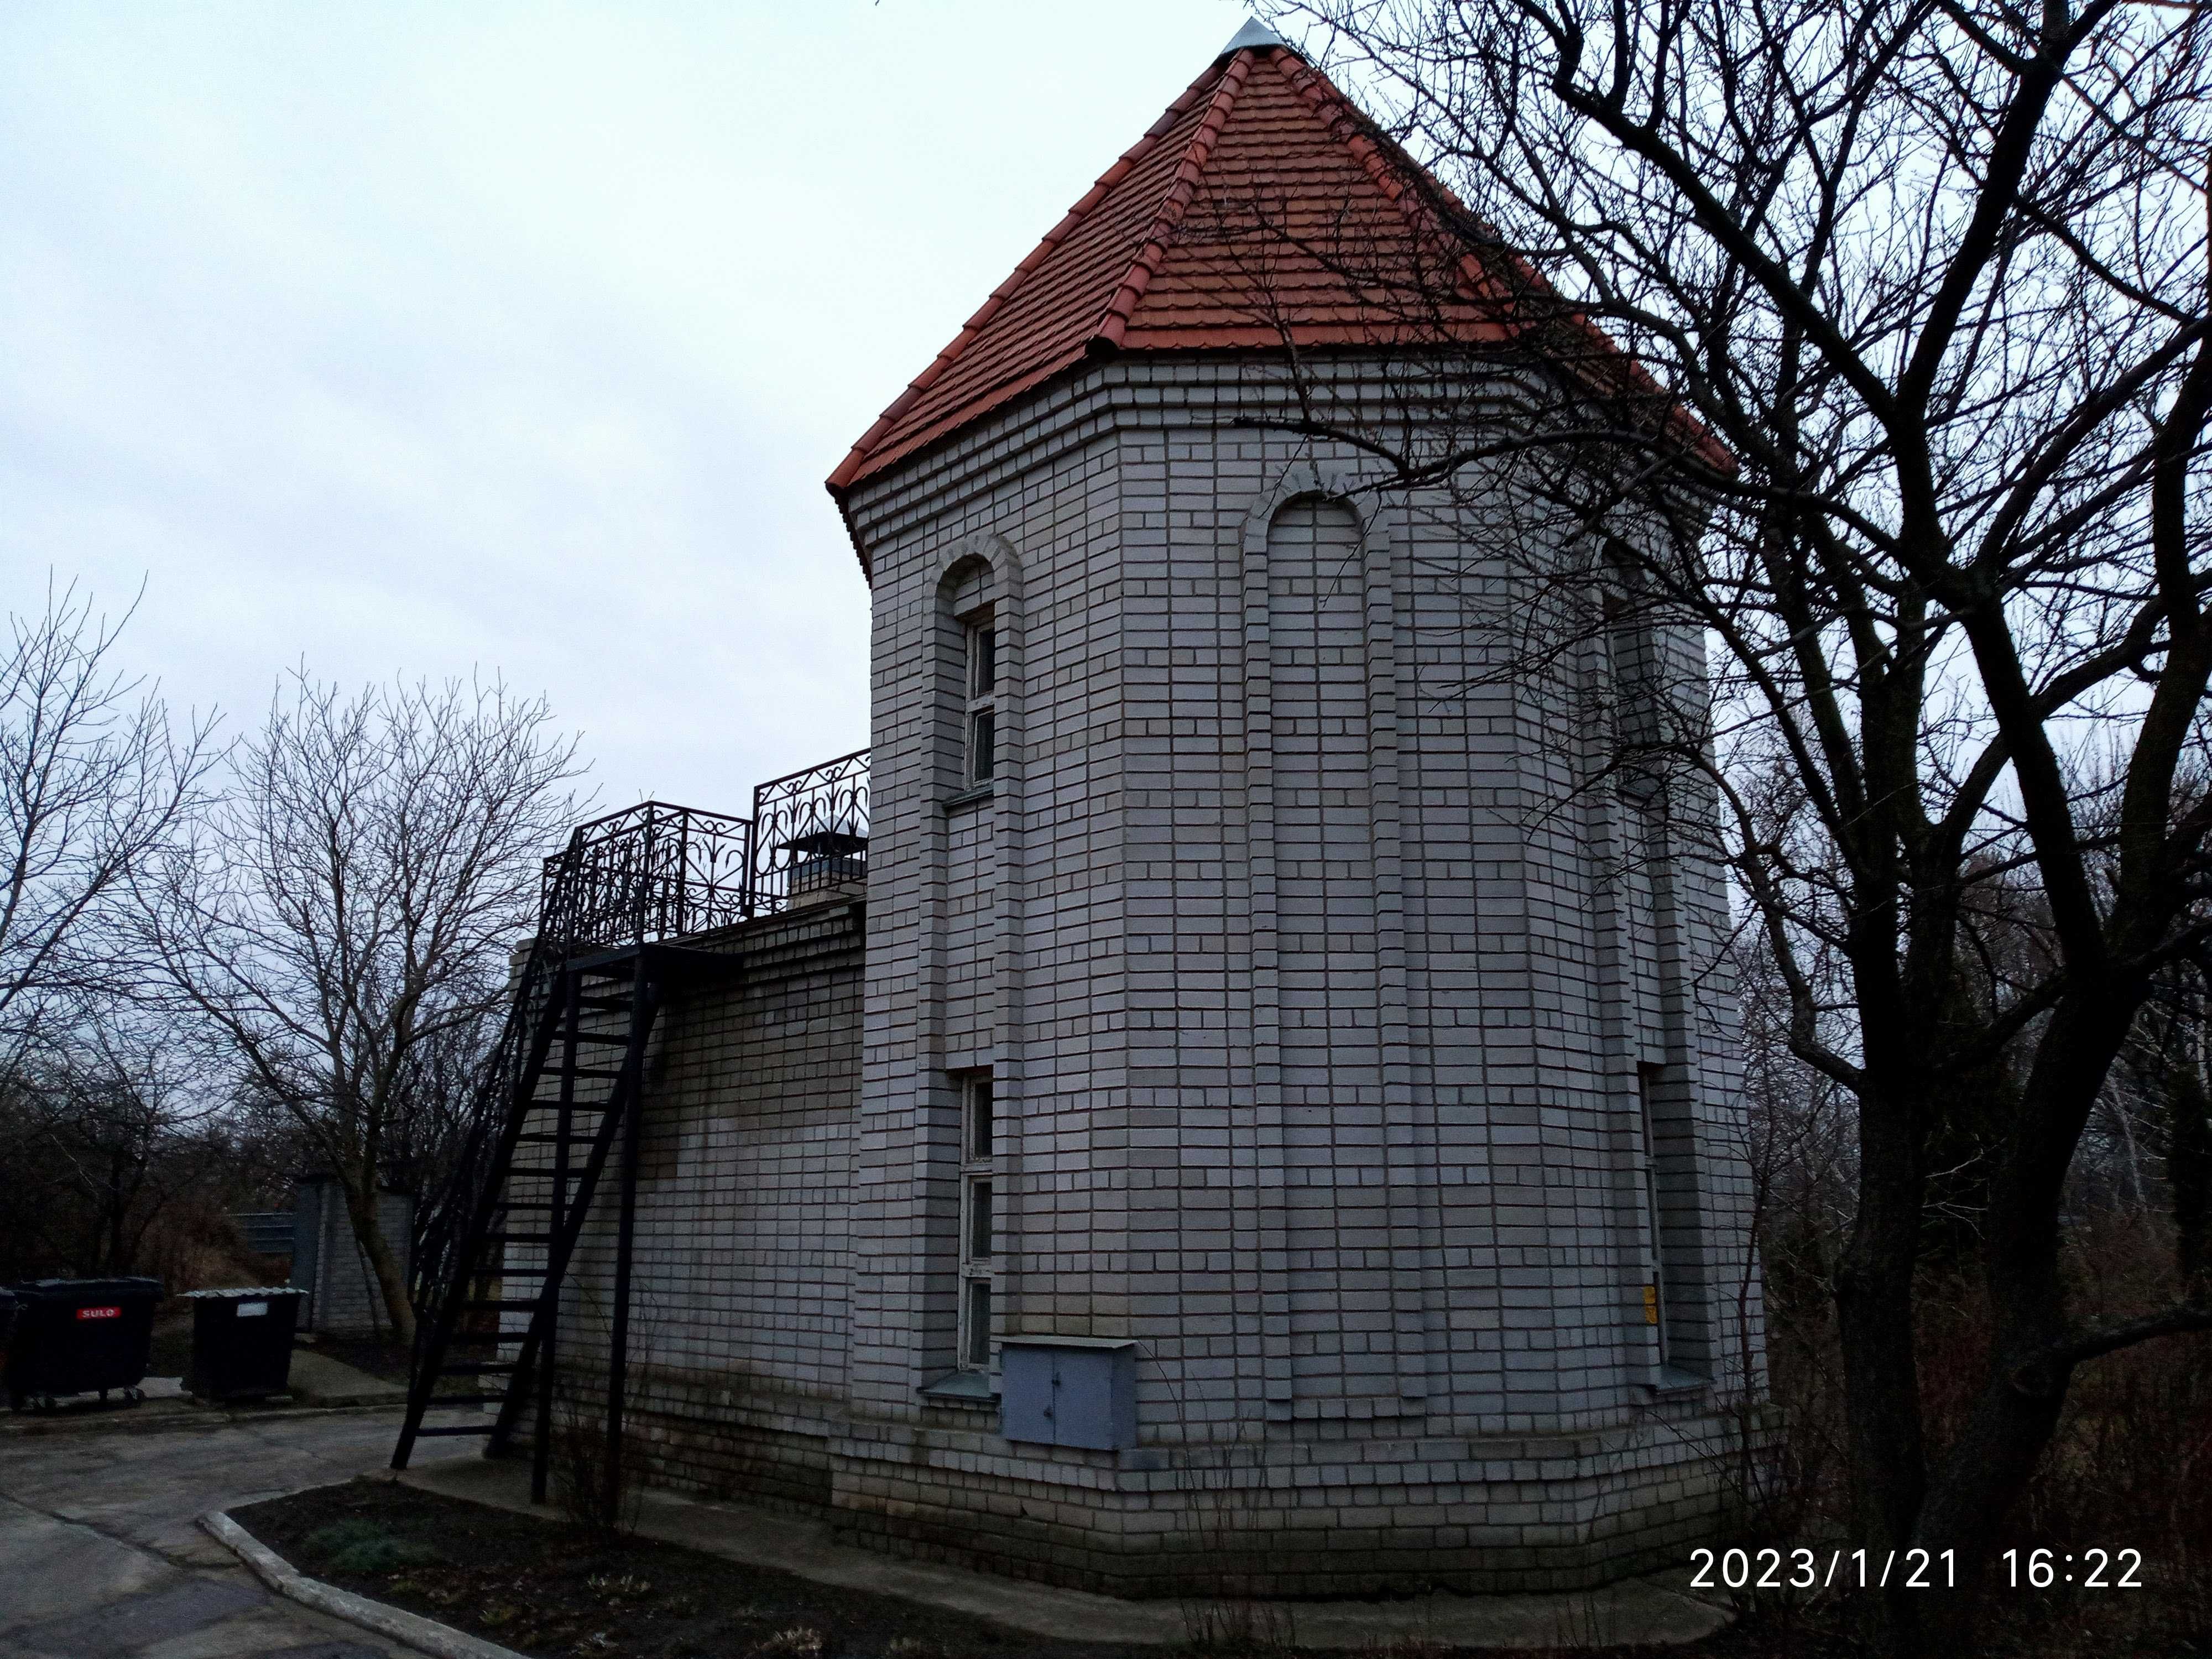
<point>80,1336</point>
<point>242,1341</point>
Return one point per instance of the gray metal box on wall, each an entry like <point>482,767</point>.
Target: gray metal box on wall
<point>1069,1391</point>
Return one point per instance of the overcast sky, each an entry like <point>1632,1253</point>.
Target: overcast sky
<point>426,339</point>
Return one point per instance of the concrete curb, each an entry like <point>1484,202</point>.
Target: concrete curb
<point>193,1418</point>
<point>427,1635</point>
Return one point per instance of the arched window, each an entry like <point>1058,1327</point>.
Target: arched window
<point>967,677</point>
<point>980,647</point>
<point>1636,690</point>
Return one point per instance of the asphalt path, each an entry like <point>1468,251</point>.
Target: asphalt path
<point>101,1557</point>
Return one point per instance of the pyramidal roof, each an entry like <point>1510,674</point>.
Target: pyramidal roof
<point>1260,211</point>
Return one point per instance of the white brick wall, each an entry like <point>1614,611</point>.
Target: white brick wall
<point>1313,993</point>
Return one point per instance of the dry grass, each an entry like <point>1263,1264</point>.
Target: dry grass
<point>2130,1465</point>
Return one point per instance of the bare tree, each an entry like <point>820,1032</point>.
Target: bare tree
<point>93,784</point>
<point>112,1125</point>
<point>348,904</point>
<point>1868,340</point>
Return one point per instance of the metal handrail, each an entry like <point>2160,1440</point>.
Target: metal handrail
<point>810,831</point>
<point>646,873</point>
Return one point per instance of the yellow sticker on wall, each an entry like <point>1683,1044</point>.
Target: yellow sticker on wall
<point>1652,1304</point>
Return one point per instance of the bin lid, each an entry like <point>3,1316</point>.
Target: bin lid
<point>90,1290</point>
<point>254,1290</point>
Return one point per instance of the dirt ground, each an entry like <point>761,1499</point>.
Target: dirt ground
<point>552,1590</point>
<point>555,1590</point>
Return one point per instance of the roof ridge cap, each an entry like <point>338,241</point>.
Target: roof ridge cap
<point>856,458</point>
<point>1113,325</point>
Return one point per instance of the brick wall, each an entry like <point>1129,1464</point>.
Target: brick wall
<point>1322,999</point>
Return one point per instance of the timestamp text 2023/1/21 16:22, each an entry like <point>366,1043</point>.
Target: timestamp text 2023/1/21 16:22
<point>1909,1569</point>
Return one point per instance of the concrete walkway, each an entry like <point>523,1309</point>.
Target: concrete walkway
<point>1637,1610</point>
<point>99,1557</point>
<point>316,1380</point>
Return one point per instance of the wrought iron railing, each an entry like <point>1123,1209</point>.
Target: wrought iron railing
<point>657,871</point>
<point>811,830</point>
<point>650,872</point>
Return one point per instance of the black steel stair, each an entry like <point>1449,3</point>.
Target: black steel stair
<point>496,1270</point>
<point>559,1104</point>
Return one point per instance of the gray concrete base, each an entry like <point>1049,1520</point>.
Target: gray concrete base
<point>1634,1610</point>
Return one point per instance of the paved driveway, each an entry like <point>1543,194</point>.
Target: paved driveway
<point>99,1557</point>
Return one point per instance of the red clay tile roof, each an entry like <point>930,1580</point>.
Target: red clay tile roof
<point>1260,210</point>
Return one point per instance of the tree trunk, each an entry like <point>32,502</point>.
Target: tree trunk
<point>1985,1470</point>
<point>383,1262</point>
<point>2189,1175</point>
<point>1874,1313</point>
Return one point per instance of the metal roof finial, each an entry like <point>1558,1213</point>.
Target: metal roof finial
<point>1255,35</point>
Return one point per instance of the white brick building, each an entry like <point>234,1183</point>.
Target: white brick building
<point>1261,1119</point>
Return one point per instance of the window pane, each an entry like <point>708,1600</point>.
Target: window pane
<point>979,1323</point>
<point>979,1220</point>
<point>1654,1294</point>
<point>983,661</point>
<point>982,746</point>
<point>979,1128</point>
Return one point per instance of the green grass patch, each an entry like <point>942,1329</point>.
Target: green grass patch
<point>361,1546</point>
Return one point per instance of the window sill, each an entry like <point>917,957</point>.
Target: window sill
<point>961,1388</point>
<point>975,795</point>
<point>1670,1383</point>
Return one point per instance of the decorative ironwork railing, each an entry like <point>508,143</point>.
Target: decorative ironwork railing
<point>650,872</point>
<point>811,830</point>
<point>656,872</point>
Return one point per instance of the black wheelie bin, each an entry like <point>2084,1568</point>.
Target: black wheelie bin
<point>80,1336</point>
<point>241,1342</point>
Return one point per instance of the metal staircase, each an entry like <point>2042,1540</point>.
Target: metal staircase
<point>561,1103</point>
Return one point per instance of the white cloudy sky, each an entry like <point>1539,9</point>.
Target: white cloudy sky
<point>431,338</point>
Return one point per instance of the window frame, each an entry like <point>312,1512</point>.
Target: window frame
<point>979,1223</point>
<point>978,682</point>
<point>1648,1080</point>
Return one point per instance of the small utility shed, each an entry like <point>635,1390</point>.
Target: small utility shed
<point>329,1264</point>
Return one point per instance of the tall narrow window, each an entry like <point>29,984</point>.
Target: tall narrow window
<point>978,1223</point>
<point>1633,644</point>
<point>982,757</point>
<point>1655,1292</point>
